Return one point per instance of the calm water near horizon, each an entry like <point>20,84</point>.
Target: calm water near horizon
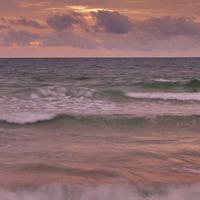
<point>100,129</point>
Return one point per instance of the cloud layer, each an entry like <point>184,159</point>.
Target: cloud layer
<point>131,26</point>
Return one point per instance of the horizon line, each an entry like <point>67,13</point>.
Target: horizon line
<point>57,57</point>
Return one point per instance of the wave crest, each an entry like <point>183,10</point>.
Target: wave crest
<point>167,84</point>
<point>182,96</point>
<point>117,122</point>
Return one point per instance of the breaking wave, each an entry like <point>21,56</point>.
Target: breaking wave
<point>102,192</point>
<point>50,102</point>
<point>194,83</point>
<point>168,84</point>
<point>117,121</point>
<point>182,96</point>
<point>112,94</point>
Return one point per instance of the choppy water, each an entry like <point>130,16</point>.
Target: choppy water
<point>100,129</point>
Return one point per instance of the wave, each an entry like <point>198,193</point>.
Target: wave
<point>26,118</point>
<point>60,92</point>
<point>163,80</point>
<point>72,171</point>
<point>120,95</point>
<point>167,84</point>
<point>195,84</point>
<point>120,191</point>
<point>80,118</point>
<point>181,96</point>
<point>116,122</point>
<point>48,102</point>
<point>112,94</point>
<point>158,84</point>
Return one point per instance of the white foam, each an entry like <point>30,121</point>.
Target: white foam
<point>165,80</point>
<point>184,96</point>
<point>104,192</point>
<point>26,117</point>
<point>47,103</point>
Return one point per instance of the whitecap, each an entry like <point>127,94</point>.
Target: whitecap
<point>182,96</point>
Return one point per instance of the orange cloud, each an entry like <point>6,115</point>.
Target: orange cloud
<point>35,43</point>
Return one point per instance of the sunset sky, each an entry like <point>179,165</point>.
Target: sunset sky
<point>68,28</point>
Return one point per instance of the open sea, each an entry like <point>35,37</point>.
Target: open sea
<point>100,129</point>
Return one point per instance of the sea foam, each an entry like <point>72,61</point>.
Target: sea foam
<point>183,96</point>
<point>46,103</point>
<point>105,192</point>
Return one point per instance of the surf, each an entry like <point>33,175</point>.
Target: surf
<point>101,192</point>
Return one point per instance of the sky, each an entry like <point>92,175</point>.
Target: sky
<point>99,28</point>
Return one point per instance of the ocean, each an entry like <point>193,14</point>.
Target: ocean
<point>100,129</point>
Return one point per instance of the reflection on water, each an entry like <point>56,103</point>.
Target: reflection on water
<point>102,156</point>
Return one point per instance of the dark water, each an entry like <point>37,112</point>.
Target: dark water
<point>85,129</point>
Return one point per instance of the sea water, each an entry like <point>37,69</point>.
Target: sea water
<point>100,128</point>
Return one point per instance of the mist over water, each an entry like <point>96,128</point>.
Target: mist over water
<point>100,129</point>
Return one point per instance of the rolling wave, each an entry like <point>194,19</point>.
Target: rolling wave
<point>166,84</point>
<point>48,102</point>
<point>194,83</point>
<point>112,94</point>
<point>116,121</point>
<point>121,95</point>
<point>160,84</point>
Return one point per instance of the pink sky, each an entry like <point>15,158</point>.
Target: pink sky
<point>68,28</point>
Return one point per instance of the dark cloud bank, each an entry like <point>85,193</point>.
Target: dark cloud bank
<point>64,21</point>
<point>112,22</point>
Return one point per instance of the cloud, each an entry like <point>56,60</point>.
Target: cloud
<point>19,38</point>
<point>57,39</point>
<point>26,22</point>
<point>119,32</point>
<point>108,24</point>
<point>64,21</point>
<point>69,39</point>
<point>165,33</point>
<point>105,21</point>
<point>3,26</point>
<point>169,26</point>
<point>112,22</point>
